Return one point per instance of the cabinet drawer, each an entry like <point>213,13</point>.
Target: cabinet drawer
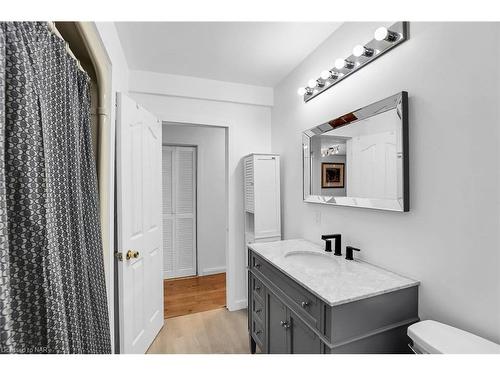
<point>258,333</point>
<point>306,304</point>
<point>258,309</point>
<point>257,287</point>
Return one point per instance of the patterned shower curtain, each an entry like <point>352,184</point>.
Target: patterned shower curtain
<point>52,286</point>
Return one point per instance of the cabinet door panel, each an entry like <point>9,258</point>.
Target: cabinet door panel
<point>267,196</point>
<point>276,334</point>
<point>301,339</point>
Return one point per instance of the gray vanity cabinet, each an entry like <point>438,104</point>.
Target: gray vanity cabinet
<point>276,316</point>
<point>285,310</point>
<point>284,317</point>
<point>286,332</point>
<point>301,339</point>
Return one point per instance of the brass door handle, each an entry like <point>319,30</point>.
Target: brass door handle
<point>132,254</point>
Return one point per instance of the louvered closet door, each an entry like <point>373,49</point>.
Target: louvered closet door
<point>179,211</point>
<point>185,218</point>
<point>168,211</point>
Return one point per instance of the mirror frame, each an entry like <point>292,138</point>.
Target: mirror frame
<point>397,101</point>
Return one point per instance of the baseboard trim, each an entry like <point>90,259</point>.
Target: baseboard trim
<point>212,271</point>
<point>169,276</point>
<point>237,305</point>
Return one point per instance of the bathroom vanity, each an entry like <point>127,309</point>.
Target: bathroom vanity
<point>304,300</point>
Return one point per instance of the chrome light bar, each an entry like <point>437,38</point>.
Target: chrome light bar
<point>384,40</point>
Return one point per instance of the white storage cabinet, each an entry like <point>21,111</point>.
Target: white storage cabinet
<point>262,198</point>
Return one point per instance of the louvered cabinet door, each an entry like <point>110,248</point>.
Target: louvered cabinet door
<point>249,184</point>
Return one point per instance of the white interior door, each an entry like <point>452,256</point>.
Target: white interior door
<point>140,279</point>
<point>179,211</point>
<point>373,166</point>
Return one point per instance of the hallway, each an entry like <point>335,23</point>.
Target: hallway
<point>188,295</point>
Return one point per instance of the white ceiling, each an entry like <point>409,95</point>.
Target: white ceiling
<point>255,53</point>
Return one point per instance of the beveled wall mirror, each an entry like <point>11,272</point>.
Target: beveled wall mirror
<point>360,159</point>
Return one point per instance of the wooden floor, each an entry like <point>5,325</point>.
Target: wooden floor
<point>194,294</point>
<point>210,332</point>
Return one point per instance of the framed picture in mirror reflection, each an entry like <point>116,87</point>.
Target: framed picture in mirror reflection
<point>332,175</point>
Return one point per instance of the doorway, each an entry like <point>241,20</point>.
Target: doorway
<point>194,178</point>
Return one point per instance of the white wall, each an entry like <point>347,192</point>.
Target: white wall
<point>249,130</point>
<point>211,215</point>
<point>119,83</point>
<point>199,88</point>
<point>450,239</point>
<point>111,41</point>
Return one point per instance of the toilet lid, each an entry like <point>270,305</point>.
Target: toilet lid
<point>435,337</point>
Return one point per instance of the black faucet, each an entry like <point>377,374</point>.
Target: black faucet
<point>328,245</point>
<point>348,252</point>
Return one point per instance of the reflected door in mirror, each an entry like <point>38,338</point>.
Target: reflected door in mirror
<point>360,159</point>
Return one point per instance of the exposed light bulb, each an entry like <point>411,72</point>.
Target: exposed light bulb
<point>381,33</point>
<point>339,63</point>
<point>358,50</point>
<point>325,74</point>
<point>312,83</point>
<point>301,91</point>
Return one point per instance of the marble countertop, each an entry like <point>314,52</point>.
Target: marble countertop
<point>337,280</point>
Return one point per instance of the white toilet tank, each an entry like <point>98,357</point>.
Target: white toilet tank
<point>431,337</point>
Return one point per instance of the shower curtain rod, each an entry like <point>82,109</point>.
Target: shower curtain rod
<point>53,29</point>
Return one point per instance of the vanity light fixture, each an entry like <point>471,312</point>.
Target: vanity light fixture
<point>385,38</point>
<point>343,63</point>
<point>325,74</point>
<point>301,91</point>
<point>339,63</point>
<point>329,151</point>
<point>360,50</point>
<point>382,33</point>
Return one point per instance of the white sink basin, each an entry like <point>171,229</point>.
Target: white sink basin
<point>319,261</point>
